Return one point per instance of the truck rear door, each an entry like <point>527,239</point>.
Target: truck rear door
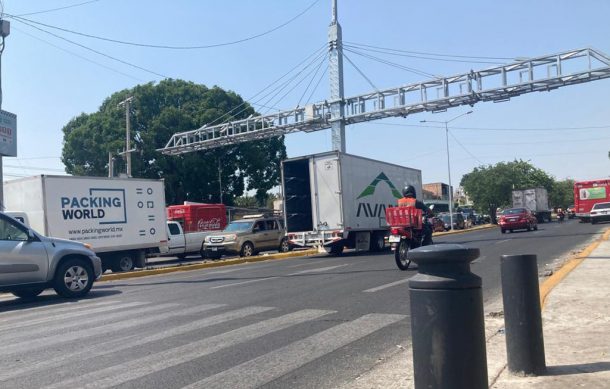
<point>327,189</point>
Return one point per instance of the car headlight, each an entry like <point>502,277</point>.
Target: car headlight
<point>230,238</point>
<point>206,239</point>
<point>87,245</point>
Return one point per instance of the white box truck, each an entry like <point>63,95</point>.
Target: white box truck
<point>534,199</point>
<point>336,200</point>
<point>123,219</point>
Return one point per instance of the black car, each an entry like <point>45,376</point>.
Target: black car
<point>458,221</point>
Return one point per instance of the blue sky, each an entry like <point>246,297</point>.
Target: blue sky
<point>46,86</point>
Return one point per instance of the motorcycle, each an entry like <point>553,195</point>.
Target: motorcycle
<point>406,232</point>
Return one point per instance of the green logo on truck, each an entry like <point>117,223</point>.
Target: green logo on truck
<point>370,190</point>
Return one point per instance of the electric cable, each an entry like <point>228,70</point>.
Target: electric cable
<point>464,148</point>
<point>310,82</point>
<point>93,50</point>
<point>317,84</point>
<point>431,54</point>
<point>170,47</point>
<point>500,129</point>
<point>78,55</point>
<point>58,9</point>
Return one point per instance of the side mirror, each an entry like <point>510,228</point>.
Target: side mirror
<point>31,236</point>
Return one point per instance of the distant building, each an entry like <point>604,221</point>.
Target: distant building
<point>461,197</point>
<point>436,191</point>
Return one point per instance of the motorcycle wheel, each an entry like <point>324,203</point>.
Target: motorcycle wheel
<point>400,255</point>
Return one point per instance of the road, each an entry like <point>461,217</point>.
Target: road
<point>307,322</point>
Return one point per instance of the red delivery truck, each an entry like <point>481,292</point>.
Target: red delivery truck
<point>588,193</point>
<point>197,217</point>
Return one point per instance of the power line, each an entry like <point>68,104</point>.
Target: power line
<point>464,148</point>
<point>170,47</point>
<point>92,50</point>
<point>59,9</point>
<point>499,129</point>
<point>360,72</point>
<point>430,54</point>
<point>78,55</point>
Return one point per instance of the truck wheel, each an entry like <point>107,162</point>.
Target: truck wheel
<point>334,249</point>
<point>284,246</point>
<point>27,293</point>
<point>122,263</point>
<point>73,278</point>
<point>247,250</point>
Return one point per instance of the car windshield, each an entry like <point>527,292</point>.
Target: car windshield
<point>239,226</point>
<point>513,211</point>
<point>601,206</point>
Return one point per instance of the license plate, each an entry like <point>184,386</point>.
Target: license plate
<point>214,248</point>
<point>512,220</point>
<point>394,239</point>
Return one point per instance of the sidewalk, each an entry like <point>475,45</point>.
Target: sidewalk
<point>576,327</point>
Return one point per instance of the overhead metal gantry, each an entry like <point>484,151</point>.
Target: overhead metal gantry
<point>495,84</point>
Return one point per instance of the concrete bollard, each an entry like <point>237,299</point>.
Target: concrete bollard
<point>522,316</point>
<point>447,323</point>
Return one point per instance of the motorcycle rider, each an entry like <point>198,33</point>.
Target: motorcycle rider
<point>409,199</point>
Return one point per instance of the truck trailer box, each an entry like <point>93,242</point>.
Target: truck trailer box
<point>534,199</point>
<point>116,216</point>
<point>330,197</point>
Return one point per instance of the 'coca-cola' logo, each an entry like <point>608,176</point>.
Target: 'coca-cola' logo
<point>210,224</point>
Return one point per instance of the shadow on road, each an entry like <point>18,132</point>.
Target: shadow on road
<point>579,368</point>
<point>49,300</point>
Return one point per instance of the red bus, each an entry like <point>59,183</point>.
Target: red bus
<point>588,193</point>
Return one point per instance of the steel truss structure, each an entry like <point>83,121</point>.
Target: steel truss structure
<point>495,84</point>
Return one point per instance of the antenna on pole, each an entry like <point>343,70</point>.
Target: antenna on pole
<point>335,64</point>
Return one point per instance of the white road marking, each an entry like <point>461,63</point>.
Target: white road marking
<point>242,283</point>
<point>19,325</point>
<point>51,310</point>
<point>261,370</point>
<point>37,343</point>
<point>140,367</point>
<point>503,240</point>
<point>121,344</point>
<point>385,286</point>
<point>317,270</point>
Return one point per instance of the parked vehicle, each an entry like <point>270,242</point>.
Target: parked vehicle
<point>516,219</point>
<point>536,200</point>
<point>188,225</point>
<point>571,212</point>
<point>587,194</point>
<point>338,200</point>
<point>247,237</point>
<point>458,221</point>
<point>437,206</point>
<point>437,224</point>
<point>469,215</point>
<point>600,212</point>
<point>122,219</point>
<point>406,232</point>
<point>31,262</point>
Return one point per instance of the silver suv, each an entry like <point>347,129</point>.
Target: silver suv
<point>31,263</point>
<point>247,237</point>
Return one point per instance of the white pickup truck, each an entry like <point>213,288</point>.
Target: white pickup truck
<point>181,244</point>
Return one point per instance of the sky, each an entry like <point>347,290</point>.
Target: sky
<point>46,81</point>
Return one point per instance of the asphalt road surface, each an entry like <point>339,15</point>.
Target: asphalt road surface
<point>300,323</point>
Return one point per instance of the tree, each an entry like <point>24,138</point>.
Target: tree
<point>159,111</point>
<point>562,194</point>
<point>491,187</point>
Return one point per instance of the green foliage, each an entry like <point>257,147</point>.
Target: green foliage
<point>491,187</point>
<point>157,112</point>
<point>562,194</point>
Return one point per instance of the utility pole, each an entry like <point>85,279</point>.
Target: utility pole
<point>110,165</point>
<point>220,180</point>
<point>335,64</point>
<point>5,30</point>
<point>128,150</point>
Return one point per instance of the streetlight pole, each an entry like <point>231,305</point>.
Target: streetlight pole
<point>446,123</point>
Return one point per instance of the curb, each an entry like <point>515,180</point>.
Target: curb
<point>484,227</point>
<point>207,265</point>
<point>551,282</point>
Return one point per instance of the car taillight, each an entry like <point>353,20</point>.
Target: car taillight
<point>394,231</point>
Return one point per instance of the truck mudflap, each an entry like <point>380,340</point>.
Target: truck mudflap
<point>315,238</point>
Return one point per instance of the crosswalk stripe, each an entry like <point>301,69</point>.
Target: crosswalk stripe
<point>140,367</point>
<point>317,270</point>
<point>242,283</point>
<point>19,325</point>
<point>52,310</point>
<point>267,367</point>
<point>95,331</point>
<point>385,286</point>
<point>121,344</point>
